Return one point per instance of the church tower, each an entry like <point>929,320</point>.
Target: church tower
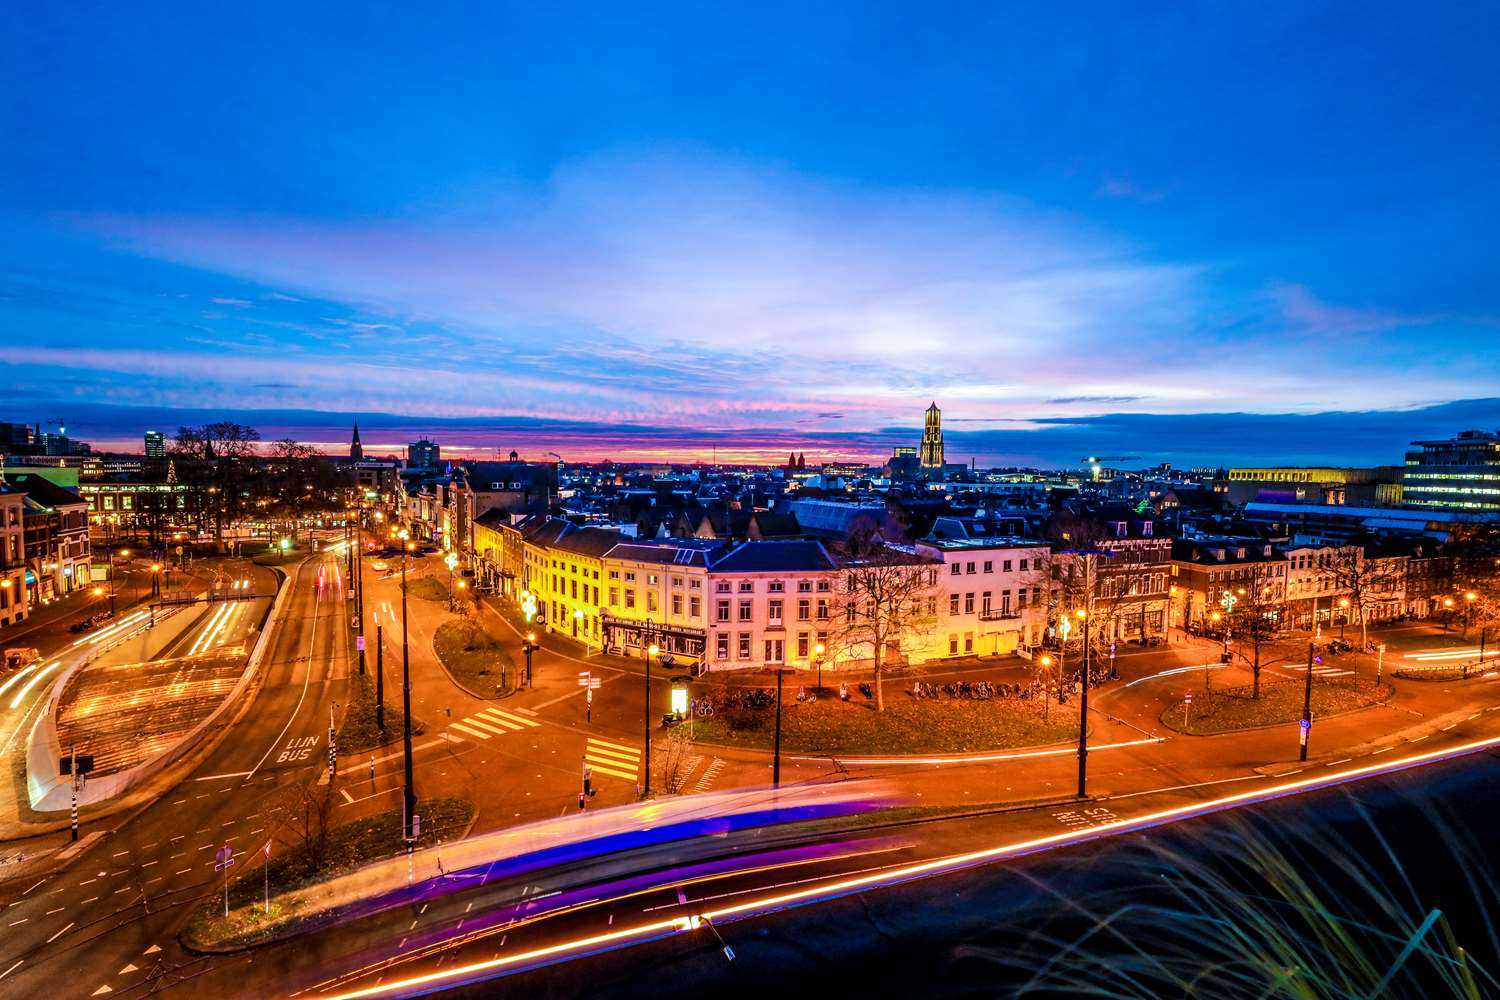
<point>932,439</point>
<point>356,450</point>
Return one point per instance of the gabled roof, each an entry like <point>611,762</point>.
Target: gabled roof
<point>666,555</point>
<point>590,542</point>
<point>774,557</point>
<point>43,491</point>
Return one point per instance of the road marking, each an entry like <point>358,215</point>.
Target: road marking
<point>618,746</point>
<point>217,777</point>
<point>471,733</point>
<point>503,714</point>
<point>152,950</point>
<point>61,932</point>
<point>102,990</point>
<point>183,872</point>
<point>91,899</point>
<point>347,797</point>
<point>13,968</point>
<point>129,968</point>
<point>1381,750</point>
<point>58,910</point>
<point>615,755</point>
<point>18,923</point>
<point>119,854</point>
<point>498,729</point>
<point>312,638</point>
<point>627,775</point>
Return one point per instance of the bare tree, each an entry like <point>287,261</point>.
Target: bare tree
<point>304,816</point>
<point>1365,581</point>
<point>886,604</point>
<point>676,759</point>
<point>1256,619</point>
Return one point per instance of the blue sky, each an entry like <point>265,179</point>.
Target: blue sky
<point>757,228</point>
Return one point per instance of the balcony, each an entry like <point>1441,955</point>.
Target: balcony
<point>999,615</point>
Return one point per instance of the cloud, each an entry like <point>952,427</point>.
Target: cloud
<point>1305,312</point>
<point>240,303</point>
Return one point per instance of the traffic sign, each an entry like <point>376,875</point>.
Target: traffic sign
<point>359,643</point>
<point>1187,698</point>
<point>223,858</point>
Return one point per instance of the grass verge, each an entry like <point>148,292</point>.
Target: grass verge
<point>474,659</point>
<point>350,845</point>
<point>427,588</point>
<point>831,725</point>
<point>359,731</point>
<point>1229,710</point>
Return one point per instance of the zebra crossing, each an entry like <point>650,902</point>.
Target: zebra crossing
<point>1324,671</point>
<point>614,759</point>
<point>493,722</point>
<point>709,774</point>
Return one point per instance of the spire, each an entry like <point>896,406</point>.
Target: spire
<point>356,450</point>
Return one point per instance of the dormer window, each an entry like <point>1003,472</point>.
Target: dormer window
<point>1122,529</point>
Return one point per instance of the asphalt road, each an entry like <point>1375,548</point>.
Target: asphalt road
<point>104,925</point>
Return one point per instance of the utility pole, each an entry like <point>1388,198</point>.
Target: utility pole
<point>776,756</point>
<point>333,743</point>
<point>1306,723</point>
<point>651,651</point>
<point>1083,709</point>
<point>410,798</point>
<point>380,677</point>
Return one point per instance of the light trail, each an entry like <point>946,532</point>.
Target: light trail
<point>205,637</point>
<point>645,933</point>
<point>1174,671</point>
<point>110,631</point>
<point>16,677</point>
<point>988,757</point>
<point>26,689</point>
<point>1453,654</point>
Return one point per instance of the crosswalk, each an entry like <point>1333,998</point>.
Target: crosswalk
<point>706,780</point>
<point>493,722</point>
<point>614,759</point>
<point>1324,671</point>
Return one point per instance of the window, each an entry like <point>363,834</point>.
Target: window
<point>804,610</point>
<point>802,645</point>
<point>968,642</point>
<point>747,586</point>
<point>824,586</point>
<point>953,645</point>
<point>775,651</point>
<point>676,581</point>
<point>695,584</point>
<point>630,598</point>
<point>653,579</point>
<point>775,587</point>
<point>745,613</point>
<point>773,612</point>
<point>575,589</point>
<point>721,611</point>
<point>969,568</point>
<point>614,597</point>
<point>676,604</point>
<point>744,646</point>
<point>952,604</point>
<point>651,600</point>
<point>721,645</point>
<point>957,569</point>
<point>1023,566</point>
<point>695,605</point>
<point>804,586</point>
<point>722,587</point>
<point>985,606</point>
<point>1005,601</point>
<point>630,578</point>
<point>822,609</point>
<point>989,567</point>
<point>969,604</point>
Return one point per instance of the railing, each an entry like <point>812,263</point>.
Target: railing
<point>998,615</point>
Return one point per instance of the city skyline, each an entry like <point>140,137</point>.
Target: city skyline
<point>625,247</point>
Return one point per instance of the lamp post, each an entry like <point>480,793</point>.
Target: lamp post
<point>776,751</point>
<point>410,798</point>
<point>1343,616</point>
<point>818,652</point>
<point>528,647</point>
<point>123,554</point>
<point>651,651</point>
<point>450,560</point>
<point>1306,723</point>
<point>1469,598</point>
<point>1447,614</point>
<point>1083,708</point>
<point>1046,662</point>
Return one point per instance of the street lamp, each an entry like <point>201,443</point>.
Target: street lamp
<point>1344,617</point>
<point>1448,613</point>
<point>818,651</point>
<point>1469,598</point>
<point>651,650</point>
<point>1083,707</point>
<point>410,795</point>
<point>1046,662</point>
<point>529,647</point>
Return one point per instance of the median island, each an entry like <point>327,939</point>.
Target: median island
<point>1227,710</point>
<point>474,659</point>
<point>831,725</point>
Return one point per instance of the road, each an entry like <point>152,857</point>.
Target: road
<point>105,923</point>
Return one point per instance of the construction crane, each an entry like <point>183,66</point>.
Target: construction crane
<point>1096,459</point>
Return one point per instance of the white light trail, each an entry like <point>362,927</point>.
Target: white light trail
<point>25,690</point>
